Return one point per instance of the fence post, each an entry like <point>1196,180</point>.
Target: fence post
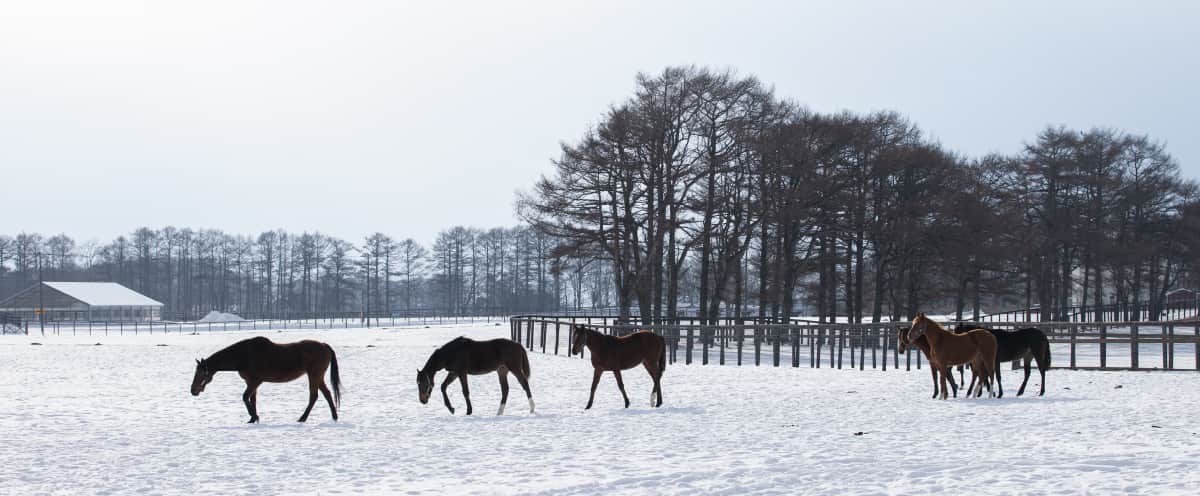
<point>1103,346</point>
<point>886,338</point>
<point>758,345</point>
<point>1171,347</point>
<point>529,335</point>
<point>705,337</point>
<point>813,350</point>
<point>794,334</point>
<point>543,336</point>
<point>690,337</point>
<point>862,353</point>
<point>1162,335</point>
<point>741,338</point>
<point>820,342</point>
<point>721,345</point>
<point>1133,347</point>
<point>850,344</point>
<point>841,346</point>
<point>1196,345</point>
<point>556,336</point>
<point>775,345</point>
<point>1074,335</point>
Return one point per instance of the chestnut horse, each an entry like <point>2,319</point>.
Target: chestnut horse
<point>922,344</point>
<point>260,360</point>
<point>977,347</point>
<point>615,354</point>
<point>462,357</point>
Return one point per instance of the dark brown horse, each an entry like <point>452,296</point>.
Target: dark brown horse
<point>260,360</point>
<point>922,344</point>
<point>462,357</point>
<point>946,349</point>
<point>621,353</point>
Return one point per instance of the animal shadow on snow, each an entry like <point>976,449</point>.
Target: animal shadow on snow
<point>679,410</point>
<point>1022,399</point>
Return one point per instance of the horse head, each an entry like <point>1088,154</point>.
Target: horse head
<point>579,339</point>
<point>920,324</point>
<point>424,386</point>
<point>902,341</point>
<point>202,377</point>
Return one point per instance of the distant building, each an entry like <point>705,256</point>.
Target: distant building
<point>1181,297</point>
<point>83,301</point>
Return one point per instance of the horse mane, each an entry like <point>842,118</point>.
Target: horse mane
<point>437,359</point>
<point>228,356</point>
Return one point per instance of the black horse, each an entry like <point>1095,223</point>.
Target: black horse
<point>1029,344</point>
<point>260,360</point>
<point>462,357</point>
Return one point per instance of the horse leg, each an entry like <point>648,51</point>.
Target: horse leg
<point>655,375</point>
<point>249,398</point>
<point>995,366</point>
<point>945,387</point>
<point>503,373</point>
<point>1027,358</point>
<point>954,385</point>
<point>1042,369</point>
<point>595,382</point>
<point>934,373</point>
<point>450,376</point>
<point>466,391</point>
<point>971,388</point>
<point>524,381</point>
<point>960,378</point>
<point>329,399</point>
<point>312,398</point>
<point>621,386</point>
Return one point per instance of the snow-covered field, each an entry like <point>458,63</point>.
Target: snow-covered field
<point>76,418</point>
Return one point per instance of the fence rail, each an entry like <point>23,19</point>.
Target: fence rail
<point>1103,346</point>
<point>153,327</point>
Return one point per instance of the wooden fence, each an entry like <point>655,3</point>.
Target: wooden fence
<point>1107,346</point>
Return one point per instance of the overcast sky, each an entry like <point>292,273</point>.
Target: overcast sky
<point>407,118</point>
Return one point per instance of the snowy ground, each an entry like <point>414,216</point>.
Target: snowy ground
<point>117,419</point>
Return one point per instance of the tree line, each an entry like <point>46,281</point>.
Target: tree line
<point>704,194</point>
<point>705,189</point>
<point>280,274</point>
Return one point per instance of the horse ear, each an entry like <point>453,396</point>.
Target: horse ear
<point>197,361</point>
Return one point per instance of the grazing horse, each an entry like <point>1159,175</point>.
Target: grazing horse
<point>260,360</point>
<point>621,353</point>
<point>922,344</point>
<point>1029,344</point>
<point>462,357</point>
<point>977,347</point>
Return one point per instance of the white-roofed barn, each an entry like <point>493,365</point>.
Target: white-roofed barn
<point>83,301</point>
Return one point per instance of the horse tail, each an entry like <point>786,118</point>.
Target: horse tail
<point>334,378</point>
<point>1045,347</point>
<point>662,356</point>
<point>524,363</point>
